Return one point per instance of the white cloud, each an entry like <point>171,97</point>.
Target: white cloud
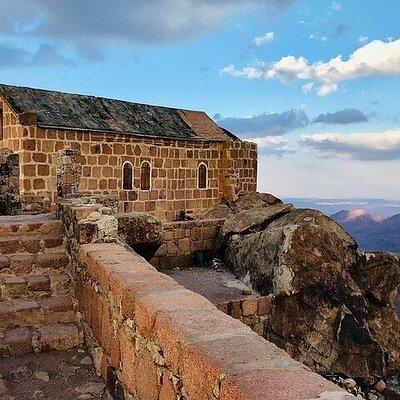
<point>358,146</point>
<point>326,90</point>
<point>308,87</point>
<point>268,37</point>
<point>376,57</point>
<point>363,39</point>
<point>275,146</point>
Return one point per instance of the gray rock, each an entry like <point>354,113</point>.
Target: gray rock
<point>253,220</point>
<point>42,375</point>
<point>87,361</point>
<point>94,388</point>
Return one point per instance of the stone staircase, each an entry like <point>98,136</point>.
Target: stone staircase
<point>37,306</point>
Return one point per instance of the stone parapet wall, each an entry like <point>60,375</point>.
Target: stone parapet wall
<point>186,243</point>
<point>88,220</point>
<point>152,339</point>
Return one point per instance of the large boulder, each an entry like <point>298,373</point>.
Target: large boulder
<point>248,201</point>
<point>254,200</point>
<point>302,246</point>
<point>252,220</point>
<point>332,305</point>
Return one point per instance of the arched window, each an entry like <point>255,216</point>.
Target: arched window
<point>145,176</point>
<point>202,176</point>
<point>127,176</point>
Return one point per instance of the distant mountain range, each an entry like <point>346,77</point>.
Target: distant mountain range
<point>359,218</point>
<point>372,233</point>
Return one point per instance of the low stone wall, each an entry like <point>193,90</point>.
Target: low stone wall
<point>152,339</point>
<point>186,243</point>
<point>251,311</point>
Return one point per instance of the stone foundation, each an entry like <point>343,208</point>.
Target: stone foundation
<point>186,243</point>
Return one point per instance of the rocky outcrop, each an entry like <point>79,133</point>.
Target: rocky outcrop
<point>332,305</point>
<point>248,221</point>
<point>244,202</point>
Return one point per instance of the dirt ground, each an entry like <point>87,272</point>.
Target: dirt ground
<point>61,375</point>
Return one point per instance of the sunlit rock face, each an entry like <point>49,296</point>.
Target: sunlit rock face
<point>333,307</point>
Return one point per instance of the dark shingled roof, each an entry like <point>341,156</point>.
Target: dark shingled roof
<point>98,114</point>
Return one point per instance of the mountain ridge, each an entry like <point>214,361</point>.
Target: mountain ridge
<point>373,233</point>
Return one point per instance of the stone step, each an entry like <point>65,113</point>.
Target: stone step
<point>53,260</point>
<point>30,225</point>
<point>29,243</point>
<point>24,340</point>
<point>33,287</point>
<point>35,313</point>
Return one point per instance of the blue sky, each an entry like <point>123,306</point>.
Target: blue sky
<point>325,129</point>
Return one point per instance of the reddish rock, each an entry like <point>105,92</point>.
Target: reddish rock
<point>331,306</point>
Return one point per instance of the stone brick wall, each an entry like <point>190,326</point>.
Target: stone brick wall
<point>152,339</point>
<point>184,240</point>
<point>173,170</point>
<point>252,311</point>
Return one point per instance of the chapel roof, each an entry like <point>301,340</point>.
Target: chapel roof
<point>98,114</point>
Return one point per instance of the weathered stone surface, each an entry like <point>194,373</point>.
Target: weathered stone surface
<point>244,202</point>
<point>142,232</point>
<point>291,251</point>
<point>255,200</point>
<point>137,227</point>
<point>219,211</point>
<point>379,275</point>
<point>332,307</point>
<point>253,220</point>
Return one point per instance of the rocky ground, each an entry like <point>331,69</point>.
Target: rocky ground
<point>333,306</point>
<point>61,375</point>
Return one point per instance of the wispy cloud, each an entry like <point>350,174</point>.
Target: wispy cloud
<point>343,117</point>
<point>279,124</point>
<point>276,146</point>
<point>360,146</point>
<point>266,124</point>
<point>263,39</point>
<point>45,54</point>
<point>376,57</point>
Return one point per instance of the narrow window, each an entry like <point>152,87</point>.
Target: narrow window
<point>202,176</point>
<point>145,176</point>
<point>127,176</point>
<point>1,124</point>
